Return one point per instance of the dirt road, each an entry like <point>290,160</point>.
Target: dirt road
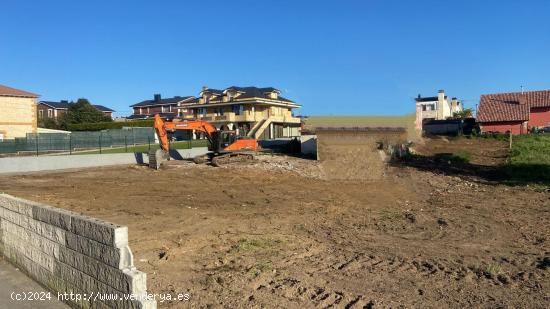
<point>275,235</point>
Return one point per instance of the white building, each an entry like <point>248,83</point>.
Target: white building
<point>435,108</point>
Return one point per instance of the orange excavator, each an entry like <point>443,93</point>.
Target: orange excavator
<point>224,146</point>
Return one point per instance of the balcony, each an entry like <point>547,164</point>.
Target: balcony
<point>247,116</point>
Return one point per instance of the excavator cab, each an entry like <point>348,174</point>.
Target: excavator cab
<point>221,140</point>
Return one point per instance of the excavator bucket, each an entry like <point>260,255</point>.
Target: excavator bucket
<point>356,153</point>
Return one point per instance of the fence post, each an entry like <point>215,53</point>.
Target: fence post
<point>125,144</point>
<point>99,142</point>
<point>149,142</point>
<point>70,144</point>
<point>36,140</point>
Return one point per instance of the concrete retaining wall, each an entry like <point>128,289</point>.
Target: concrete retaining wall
<point>309,145</point>
<point>45,163</point>
<point>70,253</point>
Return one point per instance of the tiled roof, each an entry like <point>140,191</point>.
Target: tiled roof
<point>165,101</point>
<point>149,116</point>
<point>8,91</point>
<point>512,106</point>
<point>103,108</point>
<point>251,92</point>
<point>65,105</point>
<point>61,104</point>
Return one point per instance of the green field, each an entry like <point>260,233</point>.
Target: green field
<point>529,158</point>
<point>530,149</point>
<point>405,121</point>
<point>145,148</point>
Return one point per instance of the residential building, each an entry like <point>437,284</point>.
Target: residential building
<point>54,109</point>
<point>167,108</point>
<point>435,108</point>
<point>515,112</point>
<point>258,112</point>
<point>17,113</point>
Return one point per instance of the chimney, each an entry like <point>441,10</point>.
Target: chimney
<point>454,104</point>
<point>157,97</point>
<point>441,95</point>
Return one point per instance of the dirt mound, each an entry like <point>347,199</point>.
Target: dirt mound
<point>354,154</point>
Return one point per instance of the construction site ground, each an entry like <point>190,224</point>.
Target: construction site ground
<point>280,233</point>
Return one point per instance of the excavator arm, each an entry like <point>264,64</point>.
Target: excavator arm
<point>162,128</point>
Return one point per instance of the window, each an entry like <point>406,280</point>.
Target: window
<point>201,112</point>
<point>219,111</point>
<point>50,113</point>
<point>40,113</point>
<point>238,109</point>
<point>428,107</point>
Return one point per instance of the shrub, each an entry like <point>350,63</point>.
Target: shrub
<point>98,126</point>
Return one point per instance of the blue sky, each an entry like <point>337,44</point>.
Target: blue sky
<point>333,57</point>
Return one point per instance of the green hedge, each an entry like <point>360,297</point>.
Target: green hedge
<point>98,126</point>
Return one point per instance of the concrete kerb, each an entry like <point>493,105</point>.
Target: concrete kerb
<point>67,252</point>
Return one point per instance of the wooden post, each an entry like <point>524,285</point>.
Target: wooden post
<point>510,138</point>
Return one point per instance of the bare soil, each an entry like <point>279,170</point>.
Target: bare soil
<point>278,234</point>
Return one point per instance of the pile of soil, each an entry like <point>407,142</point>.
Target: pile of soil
<point>354,155</point>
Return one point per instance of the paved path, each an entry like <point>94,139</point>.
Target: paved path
<point>14,281</point>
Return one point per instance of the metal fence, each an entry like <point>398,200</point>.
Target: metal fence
<point>40,143</point>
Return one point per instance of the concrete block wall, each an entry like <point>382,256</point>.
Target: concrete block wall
<point>71,253</point>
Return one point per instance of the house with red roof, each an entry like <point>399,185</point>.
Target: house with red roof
<point>515,112</point>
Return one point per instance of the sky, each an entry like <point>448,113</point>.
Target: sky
<point>332,57</point>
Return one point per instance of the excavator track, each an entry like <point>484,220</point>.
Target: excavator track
<point>156,157</point>
<point>230,158</point>
<point>201,159</point>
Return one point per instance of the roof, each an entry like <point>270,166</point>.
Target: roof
<point>103,108</point>
<point>428,99</point>
<point>61,104</point>
<point>252,92</point>
<point>148,116</point>
<point>8,91</point>
<point>165,101</point>
<point>65,105</point>
<point>216,91</point>
<point>513,106</point>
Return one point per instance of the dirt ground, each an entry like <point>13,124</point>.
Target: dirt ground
<point>276,234</point>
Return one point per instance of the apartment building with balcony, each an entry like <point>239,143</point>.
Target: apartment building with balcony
<point>261,113</point>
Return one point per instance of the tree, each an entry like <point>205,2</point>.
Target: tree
<point>465,113</point>
<point>82,112</point>
<point>48,123</point>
